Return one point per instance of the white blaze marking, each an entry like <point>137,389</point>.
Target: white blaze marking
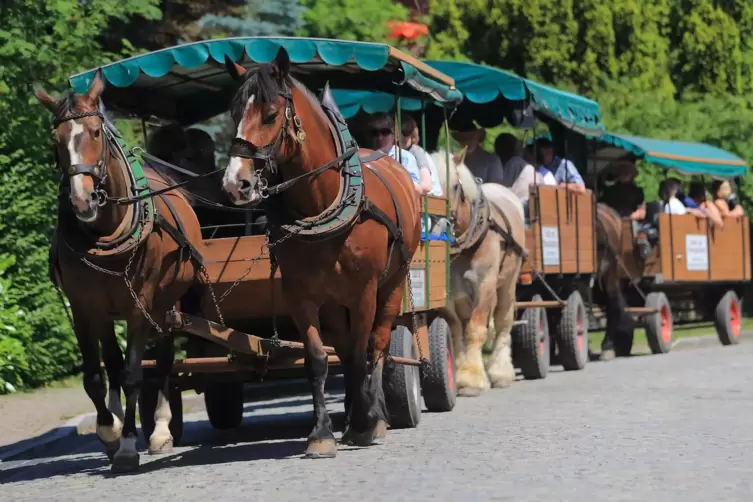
<point>236,163</point>
<point>77,185</point>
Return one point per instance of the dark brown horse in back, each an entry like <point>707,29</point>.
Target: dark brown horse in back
<point>342,286</point>
<point>115,260</point>
<point>618,340</point>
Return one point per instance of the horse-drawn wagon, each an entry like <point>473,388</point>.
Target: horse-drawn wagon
<point>356,248</point>
<point>692,270</point>
<point>562,256</point>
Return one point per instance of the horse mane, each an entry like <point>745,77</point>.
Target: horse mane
<point>460,173</point>
<point>264,86</point>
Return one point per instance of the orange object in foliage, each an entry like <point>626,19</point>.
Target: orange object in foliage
<point>407,30</point>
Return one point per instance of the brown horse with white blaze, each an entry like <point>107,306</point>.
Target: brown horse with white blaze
<point>342,286</point>
<point>117,258</point>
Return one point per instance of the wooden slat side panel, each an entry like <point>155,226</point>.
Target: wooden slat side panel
<point>674,231</point>
<point>746,243</point>
<point>728,251</point>
<point>437,205</point>
<point>565,222</point>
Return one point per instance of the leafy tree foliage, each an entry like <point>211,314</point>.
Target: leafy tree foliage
<point>44,42</point>
<point>350,19</point>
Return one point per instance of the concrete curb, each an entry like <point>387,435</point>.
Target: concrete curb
<point>192,404</point>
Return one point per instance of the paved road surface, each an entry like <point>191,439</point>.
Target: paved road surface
<point>656,428</point>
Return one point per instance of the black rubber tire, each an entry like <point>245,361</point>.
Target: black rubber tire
<point>659,325</point>
<point>571,334</point>
<point>438,377</point>
<point>531,344</point>
<point>224,404</point>
<point>148,405</point>
<point>727,319</point>
<point>401,383</point>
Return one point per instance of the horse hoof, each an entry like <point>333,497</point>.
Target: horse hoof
<point>607,355</point>
<point>469,392</point>
<point>161,447</point>
<point>111,448</point>
<point>125,463</point>
<point>380,431</point>
<point>321,448</point>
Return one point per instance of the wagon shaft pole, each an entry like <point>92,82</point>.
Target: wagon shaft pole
<point>232,339</point>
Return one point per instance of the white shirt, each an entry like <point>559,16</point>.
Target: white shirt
<point>547,178</point>
<point>409,163</point>
<point>424,160</point>
<point>674,206</point>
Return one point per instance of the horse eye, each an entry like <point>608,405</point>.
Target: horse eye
<point>270,118</point>
<point>96,133</point>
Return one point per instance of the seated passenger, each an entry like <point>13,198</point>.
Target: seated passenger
<point>482,164</point>
<point>564,171</point>
<point>380,133</point>
<point>410,141</point>
<point>725,200</point>
<point>670,193</point>
<point>625,196</point>
<point>517,174</point>
<point>697,199</point>
<point>168,143</point>
<point>199,154</point>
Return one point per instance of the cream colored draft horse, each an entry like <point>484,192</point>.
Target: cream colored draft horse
<point>484,274</point>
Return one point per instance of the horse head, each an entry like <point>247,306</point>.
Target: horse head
<point>269,132</point>
<point>82,133</point>
<point>461,186</point>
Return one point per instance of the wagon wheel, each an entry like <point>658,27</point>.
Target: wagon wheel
<point>438,378</point>
<point>531,342</point>
<point>148,405</point>
<point>728,319</point>
<point>402,383</point>
<point>659,325</point>
<point>572,334</point>
<point>224,404</point>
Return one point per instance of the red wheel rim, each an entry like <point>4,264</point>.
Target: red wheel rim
<point>450,372</point>
<point>734,318</point>
<point>541,338</point>
<point>666,324</point>
<point>579,327</point>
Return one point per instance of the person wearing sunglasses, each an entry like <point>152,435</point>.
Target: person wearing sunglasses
<point>380,135</point>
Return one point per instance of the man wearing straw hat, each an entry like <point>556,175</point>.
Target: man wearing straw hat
<point>482,164</point>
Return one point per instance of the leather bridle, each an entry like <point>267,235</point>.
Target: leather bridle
<point>98,170</point>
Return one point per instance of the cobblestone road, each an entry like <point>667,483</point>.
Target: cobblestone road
<point>656,428</point>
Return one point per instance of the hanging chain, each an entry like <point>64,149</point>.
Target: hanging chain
<point>135,297</point>
<point>205,274</point>
<point>414,316</point>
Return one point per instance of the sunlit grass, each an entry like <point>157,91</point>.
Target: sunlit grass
<point>640,344</point>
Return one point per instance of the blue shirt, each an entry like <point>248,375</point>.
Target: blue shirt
<point>565,171</point>
<point>409,163</point>
<point>690,203</point>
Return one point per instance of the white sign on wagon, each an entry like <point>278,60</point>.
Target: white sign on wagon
<point>418,287</point>
<point>550,245</point>
<point>697,252</point>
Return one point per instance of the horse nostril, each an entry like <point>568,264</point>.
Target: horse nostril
<point>245,185</point>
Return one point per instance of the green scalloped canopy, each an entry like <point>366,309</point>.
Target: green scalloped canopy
<point>490,93</point>
<point>171,82</point>
<point>685,157</point>
<point>351,102</point>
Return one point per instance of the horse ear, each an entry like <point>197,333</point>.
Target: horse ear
<point>459,157</point>
<point>234,69</point>
<point>45,99</point>
<point>282,63</point>
<point>96,87</point>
